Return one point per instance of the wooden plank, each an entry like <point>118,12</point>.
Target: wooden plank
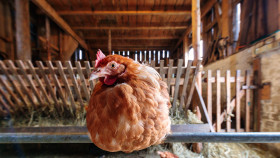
<point>237,101</point>
<point>169,74</point>
<point>129,28</point>
<point>109,42</point>
<point>257,80</point>
<point>74,81</point>
<point>66,85</point>
<point>83,81</point>
<point>178,76</point>
<point>57,84</point>
<point>153,63</point>
<point>196,22</point>
<point>133,37</point>
<point>48,37</point>
<point>185,84</point>
<point>88,70</point>
<point>228,97</point>
<point>10,91</point>
<point>161,69</point>
<point>247,102</point>
<point>30,81</point>
<point>22,21</point>
<point>218,112</point>
<point>42,73</point>
<point>39,83</point>
<point>5,106</point>
<point>45,7</point>
<point>127,12</point>
<point>192,85</point>
<point>209,94</point>
<point>10,107</point>
<point>22,83</point>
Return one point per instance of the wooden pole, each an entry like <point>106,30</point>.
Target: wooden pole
<point>109,42</point>
<point>48,36</point>
<point>186,50</point>
<point>226,21</point>
<point>196,28</point>
<point>23,44</point>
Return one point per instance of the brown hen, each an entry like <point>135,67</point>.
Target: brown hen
<point>129,107</point>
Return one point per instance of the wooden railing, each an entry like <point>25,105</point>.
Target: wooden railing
<point>24,85</point>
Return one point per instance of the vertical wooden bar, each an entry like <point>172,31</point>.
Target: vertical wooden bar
<point>196,28</point>
<point>228,97</point>
<point>109,42</point>
<point>177,83</point>
<point>88,70</point>
<point>23,30</point>
<point>218,113</point>
<point>169,74</point>
<point>153,64</point>
<point>37,79</point>
<point>161,69</point>
<point>66,85</point>
<point>74,81</point>
<point>257,80</point>
<point>82,78</point>
<point>247,102</point>
<point>237,91</point>
<point>209,94</point>
<point>185,84</point>
<point>48,38</point>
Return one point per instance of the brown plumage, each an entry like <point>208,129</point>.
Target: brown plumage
<point>129,106</point>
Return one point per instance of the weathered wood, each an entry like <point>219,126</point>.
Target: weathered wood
<point>161,69</point>
<point>169,74</point>
<point>82,79</point>
<point>48,38</point>
<point>45,7</point>
<point>218,106</point>
<point>257,80</point>
<point>238,112</point>
<point>142,37</point>
<point>5,106</point>
<point>128,12</point>
<point>23,39</point>
<point>196,21</point>
<point>153,63</point>
<point>109,42</point>
<point>88,70</point>
<point>29,80</point>
<point>247,103</point>
<point>66,85</point>
<point>178,76</point>
<point>37,79</point>
<point>11,107</point>
<point>209,94</point>
<point>74,81</point>
<point>57,84</point>
<point>130,28</point>
<point>228,97</point>
<point>10,91</point>
<point>185,85</point>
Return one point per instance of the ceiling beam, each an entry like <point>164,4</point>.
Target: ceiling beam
<point>133,38</point>
<point>130,28</point>
<point>52,14</point>
<point>117,12</point>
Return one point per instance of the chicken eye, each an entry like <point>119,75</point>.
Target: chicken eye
<point>113,65</point>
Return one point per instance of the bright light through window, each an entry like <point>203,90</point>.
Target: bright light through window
<point>163,54</point>
<point>80,54</point>
<point>113,52</point>
<point>167,54</point>
<point>191,54</point>
<point>128,53</point>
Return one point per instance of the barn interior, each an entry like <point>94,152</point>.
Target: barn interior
<point>219,59</point>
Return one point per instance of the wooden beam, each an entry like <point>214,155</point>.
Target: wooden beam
<point>109,42</point>
<point>196,21</point>
<point>23,40</point>
<point>186,50</point>
<point>130,28</point>
<point>48,38</point>
<point>133,38</point>
<point>118,12</point>
<point>45,7</point>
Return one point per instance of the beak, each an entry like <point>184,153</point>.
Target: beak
<point>100,72</point>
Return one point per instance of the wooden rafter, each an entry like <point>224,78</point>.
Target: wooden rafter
<point>118,12</point>
<point>45,7</point>
<point>130,28</point>
<point>133,37</point>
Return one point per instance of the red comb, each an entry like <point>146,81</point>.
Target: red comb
<point>100,56</point>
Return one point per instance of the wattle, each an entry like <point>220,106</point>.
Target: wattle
<point>110,80</point>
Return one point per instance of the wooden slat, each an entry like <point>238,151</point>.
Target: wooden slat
<point>16,88</point>
<point>66,85</point>
<point>247,102</point>
<point>238,112</point>
<point>22,83</point>
<point>127,12</point>
<point>178,76</point>
<point>11,105</point>
<point>228,97</point>
<point>5,106</point>
<point>57,84</point>
<point>88,70</point>
<point>161,69</point>
<point>37,79</point>
<point>47,81</point>
<point>185,84</point>
<point>209,94</point>
<point>10,91</point>
<point>74,81</point>
<point>82,78</point>
<point>130,27</point>
<point>192,85</point>
<point>30,81</point>
<point>153,63</point>
<point>218,112</point>
<point>169,74</point>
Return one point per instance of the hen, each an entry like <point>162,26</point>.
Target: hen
<point>129,107</point>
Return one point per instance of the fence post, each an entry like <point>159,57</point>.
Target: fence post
<point>228,96</point>
<point>237,101</point>
<point>218,110</point>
